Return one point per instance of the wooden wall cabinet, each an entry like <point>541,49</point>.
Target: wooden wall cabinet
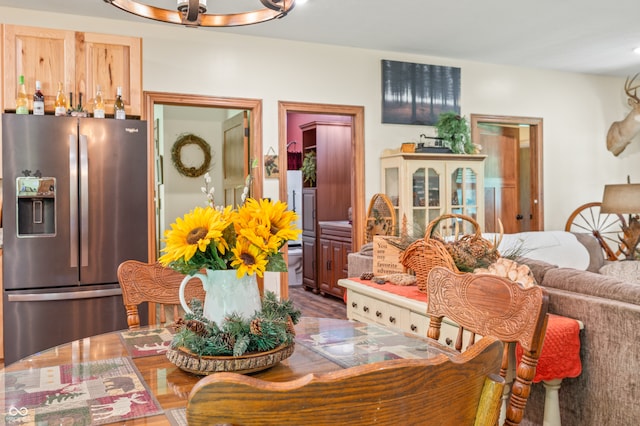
<point>334,247</point>
<point>425,186</point>
<point>325,253</point>
<point>79,60</point>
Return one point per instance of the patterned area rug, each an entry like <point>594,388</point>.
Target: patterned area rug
<point>142,343</point>
<point>88,393</point>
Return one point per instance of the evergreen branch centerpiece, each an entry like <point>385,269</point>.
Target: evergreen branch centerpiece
<point>268,329</point>
<point>233,246</point>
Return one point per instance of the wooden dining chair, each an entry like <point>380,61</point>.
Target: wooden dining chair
<point>154,283</point>
<point>489,305</point>
<point>462,390</point>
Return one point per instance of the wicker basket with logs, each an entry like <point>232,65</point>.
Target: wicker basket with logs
<point>469,251</point>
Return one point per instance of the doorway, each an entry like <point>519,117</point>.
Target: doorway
<point>513,171</point>
<point>356,113</point>
<point>254,150</point>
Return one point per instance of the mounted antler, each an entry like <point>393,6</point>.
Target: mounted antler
<point>621,132</point>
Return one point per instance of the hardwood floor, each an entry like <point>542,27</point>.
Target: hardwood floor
<point>315,305</point>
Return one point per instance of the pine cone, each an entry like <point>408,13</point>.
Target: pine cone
<point>291,326</point>
<point>366,276</point>
<point>477,249</point>
<point>179,324</point>
<point>197,327</point>
<point>228,340</point>
<point>256,327</point>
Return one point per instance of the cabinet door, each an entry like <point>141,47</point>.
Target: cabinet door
<point>110,61</point>
<point>309,264</point>
<point>38,54</point>
<point>338,264</point>
<point>324,266</point>
<point>333,176</point>
<point>333,266</point>
<point>309,211</point>
<point>427,201</point>
<point>465,182</point>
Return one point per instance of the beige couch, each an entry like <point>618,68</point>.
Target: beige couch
<point>608,390</point>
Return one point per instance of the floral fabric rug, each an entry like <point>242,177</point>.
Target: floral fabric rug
<point>149,342</point>
<point>88,393</point>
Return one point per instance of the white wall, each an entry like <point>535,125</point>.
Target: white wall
<point>577,109</point>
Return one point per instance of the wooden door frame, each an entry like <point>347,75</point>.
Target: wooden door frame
<point>357,162</point>
<point>535,141</point>
<point>254,106</point>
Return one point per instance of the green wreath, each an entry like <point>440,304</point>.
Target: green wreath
<point>191,139</point>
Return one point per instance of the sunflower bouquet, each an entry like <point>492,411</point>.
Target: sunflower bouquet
<point>248,238</point>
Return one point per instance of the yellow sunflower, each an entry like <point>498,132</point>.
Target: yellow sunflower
<point>248,259</point>
<point>195,231</point>
<point>274,215</point>
<point>259,235</point>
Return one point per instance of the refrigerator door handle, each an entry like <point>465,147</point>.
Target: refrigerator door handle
<point>73,201</point>
<point>69,295</point>
<point>84,202</point>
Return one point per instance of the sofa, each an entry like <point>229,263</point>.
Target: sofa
<point>605,297</point>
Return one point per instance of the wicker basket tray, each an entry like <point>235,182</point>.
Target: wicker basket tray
<point>423,255</point>
<point>248,363</point>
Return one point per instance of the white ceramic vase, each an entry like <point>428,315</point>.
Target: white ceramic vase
<point>226,294</point>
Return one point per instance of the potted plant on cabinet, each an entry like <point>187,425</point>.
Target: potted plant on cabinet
<point>454,130</point>
<point>309,168</point>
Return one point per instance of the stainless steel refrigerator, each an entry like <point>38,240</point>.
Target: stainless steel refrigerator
<point>75,206</point>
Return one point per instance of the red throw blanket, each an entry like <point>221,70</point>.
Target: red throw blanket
<point>560,357</point>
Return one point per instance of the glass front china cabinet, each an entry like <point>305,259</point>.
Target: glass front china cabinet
<point>422,187</point>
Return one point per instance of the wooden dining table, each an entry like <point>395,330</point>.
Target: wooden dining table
<point>125,376</point>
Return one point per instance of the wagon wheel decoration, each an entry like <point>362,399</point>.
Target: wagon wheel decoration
<point>191,139</point>
<point>605,227</point>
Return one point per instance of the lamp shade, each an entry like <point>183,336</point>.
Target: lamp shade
<point>621,199</point>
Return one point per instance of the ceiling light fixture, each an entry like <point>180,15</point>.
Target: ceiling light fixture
<point>192,13</point>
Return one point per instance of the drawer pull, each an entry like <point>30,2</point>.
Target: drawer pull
<point>392,320</point>
<point>366,309</point>
<point>448,341</point>
<point>354,305</point>
<point>414,327</point>
<point>378,314</point>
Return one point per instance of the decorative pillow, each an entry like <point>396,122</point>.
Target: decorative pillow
<point>624,270</point>
<point>555,247</point>
<point>596,254</point>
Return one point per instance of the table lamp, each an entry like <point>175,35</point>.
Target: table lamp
<point>624,199</point>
